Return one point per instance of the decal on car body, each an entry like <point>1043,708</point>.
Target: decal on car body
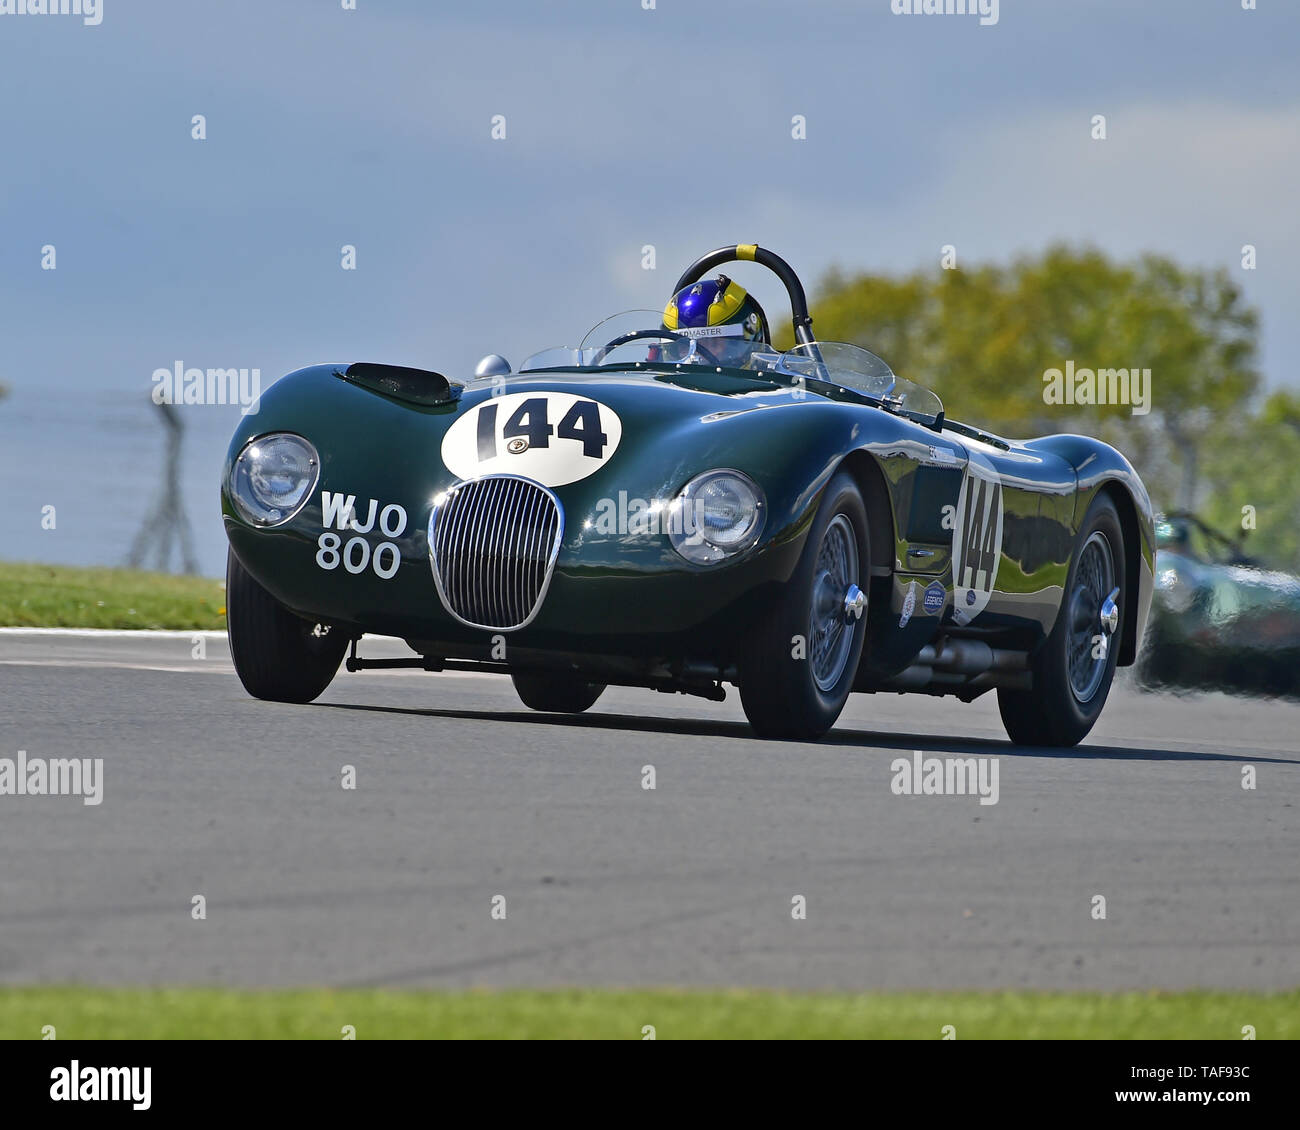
<point>935,595</point>
<point>553,438</point>
<point>909,605</point>
<point>976,539</point>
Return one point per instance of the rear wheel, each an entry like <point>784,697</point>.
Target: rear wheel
<point>278,656</point>
<point>555,692</point>
<point>798,664</point>
<point>1073,669</point>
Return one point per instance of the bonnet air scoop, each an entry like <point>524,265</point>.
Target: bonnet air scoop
<point>415,386</point>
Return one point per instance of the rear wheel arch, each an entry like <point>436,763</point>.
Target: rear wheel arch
<point>1072,676</point>
<point>1129,527</point>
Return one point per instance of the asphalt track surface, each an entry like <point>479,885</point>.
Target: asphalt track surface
<point>463,794</point>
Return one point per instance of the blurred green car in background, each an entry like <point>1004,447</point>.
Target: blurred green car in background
<point>1219,620</point>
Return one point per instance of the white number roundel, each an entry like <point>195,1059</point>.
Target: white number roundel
<point>552,438</point>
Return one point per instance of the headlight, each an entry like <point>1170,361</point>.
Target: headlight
<point>717,515</point>
<point>273,478</point>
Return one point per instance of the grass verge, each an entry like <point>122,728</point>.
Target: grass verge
<point>58,596</point>
<point>86,1013</point>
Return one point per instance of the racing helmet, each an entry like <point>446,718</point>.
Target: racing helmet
<point>725,318</point>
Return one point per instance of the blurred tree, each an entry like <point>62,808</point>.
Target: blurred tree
<point>1282,408</point>
<point>986,338</point>
<point>1251,480</point>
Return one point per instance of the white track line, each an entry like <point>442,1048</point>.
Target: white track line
<point>216,665</point>
<point>133,633</point>
<point>112,633</point>
<point>201,667</point>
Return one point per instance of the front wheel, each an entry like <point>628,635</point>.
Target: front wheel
<point>798,663</point>
<point>1073,668</point>
<point>278,656</point>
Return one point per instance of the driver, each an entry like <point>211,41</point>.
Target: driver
<point>722,316</point>
<point>1179,537</point>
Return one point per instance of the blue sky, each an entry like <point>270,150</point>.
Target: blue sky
<point>625,127</point>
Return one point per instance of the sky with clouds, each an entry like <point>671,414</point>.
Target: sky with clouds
<point>624,127</point>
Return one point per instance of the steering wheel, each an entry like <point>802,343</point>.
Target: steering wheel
<point>668,334</point>
<point>752,253</point>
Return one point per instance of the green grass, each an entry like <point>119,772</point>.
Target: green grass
<point>55,596</point>
<point>82,1013</point>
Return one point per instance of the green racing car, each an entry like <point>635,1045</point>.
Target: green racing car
<point>677,504</point>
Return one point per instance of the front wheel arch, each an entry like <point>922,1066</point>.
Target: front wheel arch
<point>867,474</point>
<point>780,690</point>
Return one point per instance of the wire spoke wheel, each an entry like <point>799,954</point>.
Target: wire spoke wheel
<point>798,660</point>
<point>1088,641</point>
<point>830,635</point>
<point>1071,671</point>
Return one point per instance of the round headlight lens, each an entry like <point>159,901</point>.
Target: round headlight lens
<point>273,478</point>
<point>717,515</point>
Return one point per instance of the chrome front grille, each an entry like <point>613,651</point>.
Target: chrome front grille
<point>493,543</point>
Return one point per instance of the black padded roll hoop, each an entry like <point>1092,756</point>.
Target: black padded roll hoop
<point>751,252</point>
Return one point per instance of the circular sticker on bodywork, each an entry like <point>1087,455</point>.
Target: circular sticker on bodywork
<point>552,438</point>
<point>976,539</point>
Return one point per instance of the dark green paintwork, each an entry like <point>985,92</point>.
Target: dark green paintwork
<point>633,595</point>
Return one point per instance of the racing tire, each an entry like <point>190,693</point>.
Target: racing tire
<point>278,656</point>
<point>1070,680</point>
<point>797,692</point>
<point>555,692</point>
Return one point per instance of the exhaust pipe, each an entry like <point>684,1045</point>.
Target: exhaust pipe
<point>964,665</point>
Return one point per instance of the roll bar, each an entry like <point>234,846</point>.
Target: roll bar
<point>751,252</point>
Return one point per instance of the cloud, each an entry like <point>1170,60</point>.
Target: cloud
<point>1193,181</point>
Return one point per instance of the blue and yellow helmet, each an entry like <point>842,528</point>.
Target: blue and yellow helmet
<point>720,305</point>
